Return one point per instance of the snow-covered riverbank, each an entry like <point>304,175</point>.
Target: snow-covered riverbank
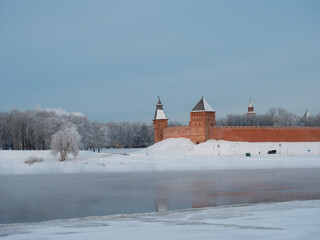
<point>170,155</point>
<point>286,220</point>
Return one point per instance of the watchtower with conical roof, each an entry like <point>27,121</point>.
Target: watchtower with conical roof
<point>160,122</point>
<point>202,117</point>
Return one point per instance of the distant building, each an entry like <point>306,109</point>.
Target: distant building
<point>202,127</point>
<point>251,109</point>
<point>306,114</point>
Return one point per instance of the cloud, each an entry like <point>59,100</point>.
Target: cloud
<point>59,111</point>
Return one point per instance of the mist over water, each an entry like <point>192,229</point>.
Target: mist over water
<point>28,198</point>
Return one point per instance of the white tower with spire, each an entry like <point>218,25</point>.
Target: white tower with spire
<point>160,122</point>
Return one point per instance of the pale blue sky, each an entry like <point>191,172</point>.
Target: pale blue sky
<point>111,59</point>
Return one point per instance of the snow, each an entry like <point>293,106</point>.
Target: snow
<point>160,114</point>
<point>286,220</point>
<point>170,155</point>
<point>207,107</point>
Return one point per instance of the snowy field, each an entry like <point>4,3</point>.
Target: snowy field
<point>170,155</point>
<point>286,220</point>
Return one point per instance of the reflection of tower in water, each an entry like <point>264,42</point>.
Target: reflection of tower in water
<point>161,200</point>
<point>161,204</point>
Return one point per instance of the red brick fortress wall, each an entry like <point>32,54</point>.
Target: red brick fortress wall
<point>176,132</point>
<point>266,134</point>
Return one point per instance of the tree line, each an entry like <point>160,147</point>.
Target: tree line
<point>274,117</point>
<point>33,130</point>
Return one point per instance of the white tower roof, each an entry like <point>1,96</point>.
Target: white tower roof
<point>159,114</point>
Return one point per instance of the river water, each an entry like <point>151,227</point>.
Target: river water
<point>29,198</point>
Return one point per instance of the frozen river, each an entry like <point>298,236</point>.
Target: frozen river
<point>28,198</point>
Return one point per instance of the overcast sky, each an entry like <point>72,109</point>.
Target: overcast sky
<point>110,60</point>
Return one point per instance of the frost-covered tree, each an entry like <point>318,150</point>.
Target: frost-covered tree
<point>99,136</point>
<point>5,136</point>
<point>127,135</point>
<point>65,142</point>
<point>275,117</point>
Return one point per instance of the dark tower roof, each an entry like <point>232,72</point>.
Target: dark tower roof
<point>202,106</point>
<point>159,104</point>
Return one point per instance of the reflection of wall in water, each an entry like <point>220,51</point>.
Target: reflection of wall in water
<point>238,191</point>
